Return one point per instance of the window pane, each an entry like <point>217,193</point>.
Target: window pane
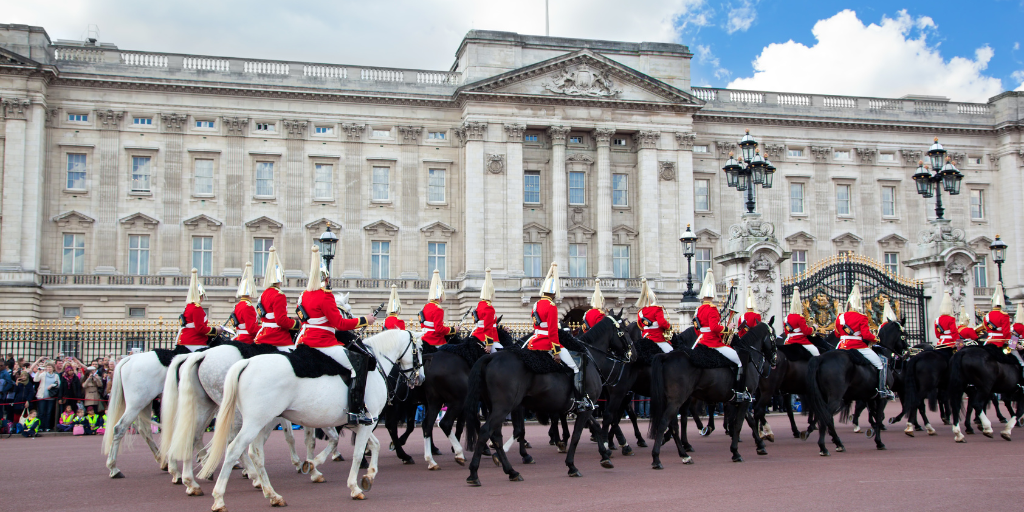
<point>435,185</point>
<point>73,257</point>
<point>436,258</point>
<point>531,260</point>
<point>892,262</point>
<point>620,261</point>
<point>76,171</point>
<point>577,260</point>
<point>204,177</point>
<point>140,174</point>
<point>265,179</point>
<point>138,254</point>
<point>577,182</point>
<point>702,262</point>
<point>981,272</point>
<point>843,199</point>
<point>531,187</point>
<point>977,204</point>
<point>202,255</point>
<point>381,177</point>
<point>889,201</point>
<point>260,253</point>
<point>702,195</point>
<point>380,260</point>
<point>620,190</point>
<point>323,186</point>
<point>799,262</point>
<point>796,198</point>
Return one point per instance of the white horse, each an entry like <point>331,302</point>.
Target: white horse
<point>270,389</point>
<point>138,380</point>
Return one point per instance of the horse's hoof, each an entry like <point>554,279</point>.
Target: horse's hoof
<point>163,466</point>
<point>607,464</point>
<point>527,445</point>
<point>797,434</point>
<point>803,435</point>
<point>307,466</point>
<point>687,460</point>
<point>473,482</point>
<point>408,461</point>
<point>762,451</point>
<point>515,477</point>
<point>881,447</point>
<point>626,450</point>
<point>497,461</point>
<point>460,461</point>
<point>909,433</point>
<point>366,483</point>
<point>705,432</point>
<point>176,480</point>
<point>856,429</point>
<point>196,492</point>
<point>246,475</point>
<point>1005,436</point>
<point>117,475</point>
<point>575,473</point>
<point>869,432</point>
<point>319,479</point>
<point>960,439</point>
<point>1002,420</point>
<point>840,449</point>
<point>987,434</point>
<point>641,443</point>
<point>770,438</point>
<point>561,447</point>
<point>688,448</point>
<point>932,432</point>
<point>359,496</point>
<point>486,452</point>
<point>945,422</point>
<point>391,447</point>
<point>737,458</point>
<point>657,465</point>
<point>824,453</point>
<point>883,428</point>
<point>529,460</point>
<point>278,502</point>
<point>236,466</point>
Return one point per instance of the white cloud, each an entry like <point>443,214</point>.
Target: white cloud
<point>706,57</point>
<point>1016,46</point>
<point>398,33</point>
<point>1019,76</point>
<point>890,60</point>
<point>741,18</point>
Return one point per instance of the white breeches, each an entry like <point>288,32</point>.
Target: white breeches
<point>665,347</point>
<point>286,348</point>
<point>193,348</point>
<point>812,349</point>
<point>730,354</point>
<point>567,359</point>
<point>496,346</point>
<point>871,356</point>
<point>339,354</point>
<point>1017,355</point>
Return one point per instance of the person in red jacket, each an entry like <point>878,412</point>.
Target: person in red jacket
<point>432,316</point>
<point>795,327</point>
<point>997,322</point>
<point>394,309</point>
<point>651,317</point>
<point>321,320</point>
<point>273,308</point>
<point>245,317</point>
<point>707,322</point>
<point>545,334</point>
<point>596,312</point>
<point>750,318</point>
<point>1017,333</point>
<point>854,333</point>
<point>486,330</point>
<point>946,333</point>
<point>195,333</point>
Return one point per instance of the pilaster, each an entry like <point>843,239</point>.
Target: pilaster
<point>604,201</point>
<point>514,199</point>
<point>472,136</point>
<point>108,157</point>
<point>353,248</point>
<point>171,194</point>
<point>296,246</point>
<point>412,194</point>
<point>237,251</point>
<point>647,164</point>
<point>15,112</point>
<point>559,198</point>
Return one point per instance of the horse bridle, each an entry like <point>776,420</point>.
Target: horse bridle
<point>417,363</point>
<point>620,332</point>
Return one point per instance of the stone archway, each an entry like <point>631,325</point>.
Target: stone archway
<point>574,316</point>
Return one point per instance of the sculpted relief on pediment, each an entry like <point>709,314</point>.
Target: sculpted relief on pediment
<point>581,80</point>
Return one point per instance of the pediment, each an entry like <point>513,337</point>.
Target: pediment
<point>533,232</point>
<point>322,223</point>
<point>581,77</point>
<point>800,240</point>
<point>202,220</point>
<point>138,220</point>
<point>579,234</point>
<point>980,243</point>
<point>8,57</point>
<point>381,227</point>
<point>437,228</point>
<point>264,223</point>
<point>73,218</point>
<point>893,240</point>
<point>623,234</point>
<point>847,240</point>
<point>707,236</point>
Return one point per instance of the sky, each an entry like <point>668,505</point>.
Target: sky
<point>963,51</point>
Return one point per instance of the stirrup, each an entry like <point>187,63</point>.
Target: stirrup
<point>886,394</point>
<point>741,396</point>
<point>360,418</point>
<point>585,405</point>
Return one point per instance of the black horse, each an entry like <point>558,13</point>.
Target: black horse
<point>925,374</point>
<point>989,370</point>
<point>675,379</point>
<point>836,378</point>
<point>503,382</point>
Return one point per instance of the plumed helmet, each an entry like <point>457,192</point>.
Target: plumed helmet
<point>888,315</point>
<point>597,299</point>
<point>317,271</point>
<point>854,303</point>
<point>246,285</point>
<point>795,306</point>
<point>274,273</point>
<point>551,284</point>
<point>998,302</point>
<point>647,297</point>
<point>707,289</point>
<point>750,299</point>
<point>487,290</point>
<point>946,306</point>
<point>394,304</point>
<point>963,320</point>
<point>436,291</point>
<point>196,292</point>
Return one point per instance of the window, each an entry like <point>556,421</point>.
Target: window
<point>71,311</point>
<point>701,263</point>
<point>843,199</point>
<point>620,189</point>
<point>381,134</point>
<point>531,260</point>
<point>981,272</point>
<point>796,198</point>
<point>380,256</point>
<point>260,253</point>
<point>974,160</point>
<point>381,178</point>
<point>531,187</point>
<point>204,124</point>
<point>888,201</point>
<point>435,258</point>
<point>141,173</point>
<point>138,255</point>
<point>73,261</point>
<point>530,138</point>
<point>575,139</point>
<point>620,261</point>
<point>265,127</point>
<point>799,259</point>
<point>795,153</point>
<point>977,204</point>
<point>435,185</point>
<point>841,155</point>
<point>577,187</point>
<point>323,182</point>
<point>702,195</point>
<point>204,177</point>
<point>265,179</point>
<point>619,142</point>
<point>701,148</point>
<point>886,157</point>
<point>76,171</point>
<point>78,118</point>
<point>892,263</point>
<point>202,254</point>
<point>577,260</point>
<point>323,130</point>
<point>145,121</point>
<point>436,135</point>
<point>136,312</point>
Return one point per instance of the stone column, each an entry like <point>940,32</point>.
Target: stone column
<point>108,156</point>
<point>472,135</point>
<point>237,188</point>
<point>296,245</point>
<point>16,113</point>
<point>169,231</point>
<point>647,164</point>
<point>559,199</point>
<point>412,195</point>
<point>604,201</point>
<point>352,248</point>
<point>514,199</point>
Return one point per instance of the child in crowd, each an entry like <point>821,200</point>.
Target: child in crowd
<point>67,419</point>
<point>92,421</point>
<point>30,423</point>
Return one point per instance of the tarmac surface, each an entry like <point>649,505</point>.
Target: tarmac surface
<point>920,473</point>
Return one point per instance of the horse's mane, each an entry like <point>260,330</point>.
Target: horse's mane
<point>885,334</point>
<point>686,338</point>
<point>567,340</point>
<point>505,337</point>
<point>388,341</point>
<point>605,327</point>
<point>345,337</point>
<point>754,336</point>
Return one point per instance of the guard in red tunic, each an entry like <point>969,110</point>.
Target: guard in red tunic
<point>273,308</point>
<point>750,318</point>
<point>707,322</point>
<point>651,317</point>
<point>1018,333</point>
<point>394,308</point>
<point>321,320</point>
<point>245,317</point>
<point>195,333</point>
<point>968,334</point>
<point>596,312</point>
<point>946,333</point>
<point>795,328</point>
<point>997,322</point>
<point>486,330</point>
<point>545,333</point>
<point>854,333</point>
<point>432,316</point>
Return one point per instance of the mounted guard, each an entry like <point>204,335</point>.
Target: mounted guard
<point>432,316</point>
<point>707,322</point>
<point>852,329</point>
<point>795,328</point>
<point>486,329</point>
<point>245,318</point>
<point>273,308</point>
<point>596,312</point>
<point>651,317</point>
<point>968,334</point>
<point>394,309</point>
<point>751,317</point>
<point>946,331</point>
<point>545,332</point>
<point>195,333</point>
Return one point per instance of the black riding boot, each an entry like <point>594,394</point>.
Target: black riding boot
<point>361,362</point>
<point>883,388</point>
<point>583,402</point>
<point>739,388</point>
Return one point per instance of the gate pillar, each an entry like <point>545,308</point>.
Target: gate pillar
<point>942,262</point>
<point>752,260</point>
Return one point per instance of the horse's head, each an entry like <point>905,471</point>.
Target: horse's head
<point>341,299</point>
<point>760,339</point>
<point>610,335</point>
<point>686,338</point>
<point>504,337</point>
<point>624,336</point>
<point>893,336</point>
<point>403,349</point>
<point>412,360</point>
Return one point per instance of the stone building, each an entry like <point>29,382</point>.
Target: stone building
<point>122,170</point>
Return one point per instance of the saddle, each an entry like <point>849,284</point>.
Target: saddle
<point>645,350</point>
<point>165,355</point>
<point>707,358</point>
<point>858,359</point>
<point>794,352</point>
<point>468,350</point>
<point>538,361</point>
<point>310,363</point>
<point>249,350</point>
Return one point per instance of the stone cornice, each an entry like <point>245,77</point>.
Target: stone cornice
<point>707,117</point>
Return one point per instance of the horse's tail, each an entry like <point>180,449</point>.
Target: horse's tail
<point>845,410</point>
<point>115,408</point>
<point>169,406</point>
<point>225,417</point>
<point>955,392</point>
<point>472,404</point>
<point>182,442</point>
<point>816,400</point>
<point>910,391</point>
<point>657,397</point>
<point>933,400</point>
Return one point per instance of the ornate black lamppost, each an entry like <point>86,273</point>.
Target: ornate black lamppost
<point>946,174</point>
<point>998,249</point>
<point>328,242</point>
<point>749,171</point>
<point>689,241</point>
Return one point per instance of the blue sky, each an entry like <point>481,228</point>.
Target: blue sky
<point>967,51</point>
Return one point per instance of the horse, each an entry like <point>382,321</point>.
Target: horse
<point>989,371</point>
<point>675,379</point>
<point>925,374</point>
<point>503,382</point>
<point>270,389</point>
<point>835,380</point>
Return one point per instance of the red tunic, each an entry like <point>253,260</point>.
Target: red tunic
<point>393,322</point>
<point>1018,329</point>
<point>324,319</point>
<point>432,318</point>
<point>248,321</point>
<point>998,324</point>
<point>545,325</point>
<point>967,333</point>
<point>592,317</point>
<point>653,323</point>
<point>946,332</point>
<point>486,330</point>
<point>276,323</point>
<point>195,331</point>
<point>852,331</point>
<point>797,330</point>
<point>747,321</point>
<point>707,322</point>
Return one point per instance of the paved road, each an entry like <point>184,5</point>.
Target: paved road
<point>923,473</point>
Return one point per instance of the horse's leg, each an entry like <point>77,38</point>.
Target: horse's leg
<point>430,416</point>
<point>787,404</point>
<point>858,407</point>
<point>391,423</point>
<point>235,450</point>
<point>986,425</point>
<point>631,410</point>
<point>332,444</point>
<point>257,449</point>
<point>564,418</point>
<point>120,429</point>
<point>519,434</point>
<point>207,409</point>
<point>447,422</point>
<point>736,425</point>
<point>363,434</point>
<point>877,416</point>
<point>492,422</point>
<point>289,437</point>
<point>710,409</point>
<point>372,444</point>
<point>924,418</point>
<point>999,414</point>
<point>759,424</point>
<point>147,433</point>
<point>577,430</point>
<point>1014,420</point>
